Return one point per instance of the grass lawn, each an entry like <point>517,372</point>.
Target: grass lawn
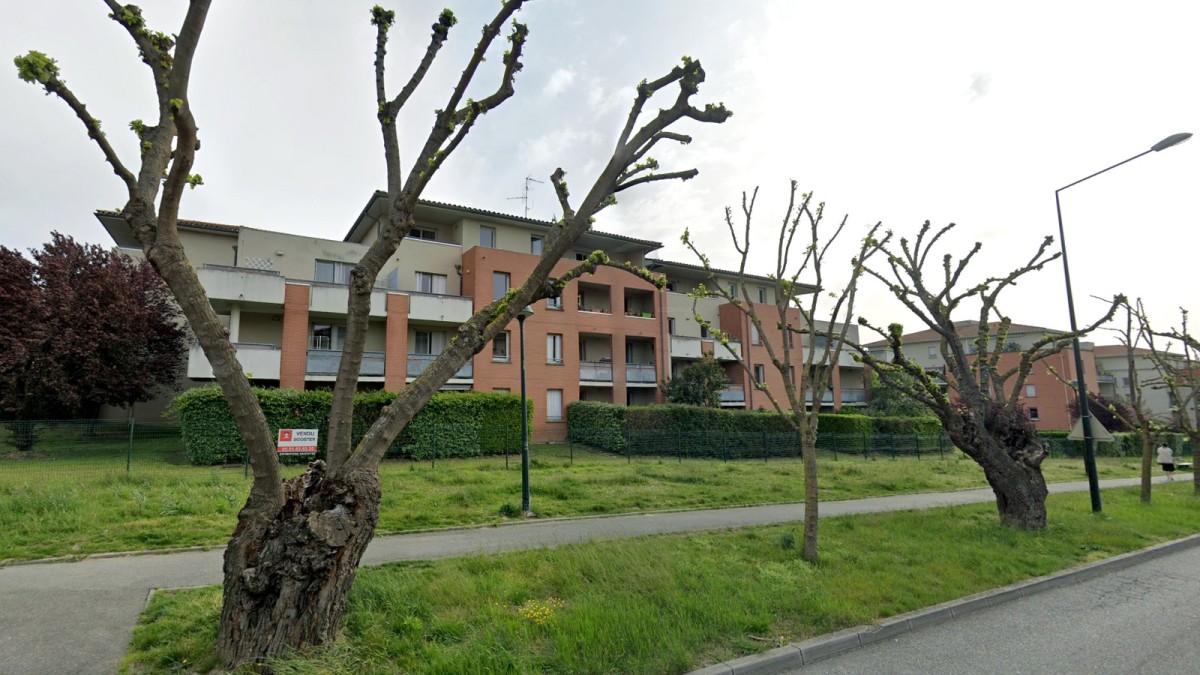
<point>667,604</point>
<point>54,506</point>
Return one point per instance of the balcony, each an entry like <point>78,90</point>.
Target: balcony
<point>332,298</point>
<point>595,371</point>
<point>326,362</point>
<point>733,352</point>
<point>734,394</point>
<point>641,373</point>
<point>1106,378</point>
<point>826,399</point>
<point>853,396</point>
<point>240,284</point>
<point>417,363</point>
<point>683,347</point>
<point>436,308</point>
<point>259,361</point>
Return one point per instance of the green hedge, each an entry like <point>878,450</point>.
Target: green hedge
<point>919,426</point>
<point>451,424</point>
<point>1124,444</point>
<point>599,425</point>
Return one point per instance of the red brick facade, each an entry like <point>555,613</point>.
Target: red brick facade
<point>395,364</point>
<point>293,363</point>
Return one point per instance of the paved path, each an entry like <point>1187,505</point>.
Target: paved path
<point>1139,620</point>
<point>78,617</point>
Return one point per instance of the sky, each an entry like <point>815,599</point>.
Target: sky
<point>892,113</point>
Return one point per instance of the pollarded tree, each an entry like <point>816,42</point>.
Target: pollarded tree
<point>985,373</point>
<point>699,384</point>
<point>292,557</point>
<point>1178,373</point>
<point>798,322</point>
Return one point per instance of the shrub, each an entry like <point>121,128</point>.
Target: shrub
<point>451,424</point>
<point>913,426</point>
<point>597,424</point>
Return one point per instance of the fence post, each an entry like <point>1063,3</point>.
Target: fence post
<point>892,444</point>
<point>129,449</point>
<point>764,442</point>
<point>941,449</point>
<point>917,439</point>
<point>433,457</point>
<point>725,446</point>
<point>507,437</point>
<point>679,444</point>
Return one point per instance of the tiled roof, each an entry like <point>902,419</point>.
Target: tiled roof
<point>194,224</point>
<point>967,329</point>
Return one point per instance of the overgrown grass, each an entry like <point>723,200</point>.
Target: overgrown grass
<point>667,604</point>
<point>54,506</point>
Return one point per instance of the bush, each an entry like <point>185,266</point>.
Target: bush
<point>451,424</point>
<point>913,426</point>
<point>599,425</point>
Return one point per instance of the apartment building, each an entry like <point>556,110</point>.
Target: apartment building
<point>610,337</point>
<point>1046,397</point>
<point>1112,365</point>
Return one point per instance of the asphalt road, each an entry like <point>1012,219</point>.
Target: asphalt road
<point>1144,619</point>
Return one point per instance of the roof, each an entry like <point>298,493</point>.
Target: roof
<point>424,204</point>
<point>967,329</point>
<point>119,230</point>
<point>652,263</point>
<point>194,224</point>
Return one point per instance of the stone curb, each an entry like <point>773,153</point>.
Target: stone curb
<point>822,647</point>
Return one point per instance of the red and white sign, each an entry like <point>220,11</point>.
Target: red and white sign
<point>297,442</point>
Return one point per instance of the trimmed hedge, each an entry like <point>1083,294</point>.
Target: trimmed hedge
<point>599,425</point>
<point>451,424</point>
<point>1124,444</point>
<point>919,426</point>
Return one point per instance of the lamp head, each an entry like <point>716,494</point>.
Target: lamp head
<point>525,313</point>
<point>1167,142</point>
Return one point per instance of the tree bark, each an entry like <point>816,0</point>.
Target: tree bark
<point>287,573</point>
<point>1020,492</point>
<point>1005,444</point>
<point>808,452</point>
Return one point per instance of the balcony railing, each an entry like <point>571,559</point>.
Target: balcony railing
<point>734,393</point>
<point>827,398</point>
<point>417,363</point>
<point>640,373</point>
<point>850,395</point>
<point>595,371</point>
<point>326,362</point>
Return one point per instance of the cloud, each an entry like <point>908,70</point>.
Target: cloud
<point>559,81</point>
<point>980,82</point>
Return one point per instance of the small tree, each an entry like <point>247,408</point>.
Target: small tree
<point>1114,414</point>
<point>1179,373</point>
<point>892,401</point>
<point>292,558</point>
<point>90,328</point>
<point>797,313</point>
<point>984,419</point>
<point>699,384</point>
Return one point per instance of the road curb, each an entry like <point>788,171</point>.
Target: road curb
<point>810,651</point>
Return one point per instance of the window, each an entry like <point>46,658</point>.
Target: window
<point>554,405</point>
<point>487,236</point>
<point>501,390</point>
<point>431,283</point>
<point>754,337</point>
<point>703,331</point>
<point>760,373</point>
<point>428,342</point>
<point>332,272</point>
<point>1033,415</point>
<point>933,351</point>
<point>554,352</point>
<point>500,347</point>
<point>423,233</point>
<point>325,336</point>
<point>536,244</point>
<point>671,286</point>
<point>670,326</point>
<point>733,290</point>
<point>580,255</point>
<point>499,284</point>
<point>762,295</point>
<point>554,303</point>
<point>1030,391</point>
<point>820,341</point>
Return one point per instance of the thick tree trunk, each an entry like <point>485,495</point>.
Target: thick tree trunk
<point>1020,495</point>
<point>287,574</point>
<point>1006,445</point>
<point>1147,464</point>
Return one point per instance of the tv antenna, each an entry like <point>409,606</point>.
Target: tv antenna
<point>524,196</point>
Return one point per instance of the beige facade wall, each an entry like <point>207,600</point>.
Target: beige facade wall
<point>264,329</point>
<point>208,248</point>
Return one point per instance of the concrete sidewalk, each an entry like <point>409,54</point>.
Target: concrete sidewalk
<point>78,617</point>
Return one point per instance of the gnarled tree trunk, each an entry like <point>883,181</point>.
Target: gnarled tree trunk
<point>1006,445</point>
<point>287,574</point>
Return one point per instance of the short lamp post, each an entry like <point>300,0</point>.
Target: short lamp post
<point>1081,397</point>
<point>525,510</point>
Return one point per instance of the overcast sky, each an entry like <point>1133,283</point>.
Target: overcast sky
<point>972,113</point>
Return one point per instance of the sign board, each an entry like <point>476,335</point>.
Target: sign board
<point>1098,432</point>
<point>297,442</point>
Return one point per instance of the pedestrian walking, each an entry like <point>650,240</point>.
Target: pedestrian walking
<point>1167,459</point>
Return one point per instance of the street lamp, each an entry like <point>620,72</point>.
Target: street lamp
<point>525,511</point>
<point>1085,416</point>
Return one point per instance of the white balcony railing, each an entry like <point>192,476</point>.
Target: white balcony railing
<point>852,395</point>
<point>259,361</point>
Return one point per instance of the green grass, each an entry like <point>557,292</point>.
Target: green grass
<point>64,501</point>
<point>667,604</point>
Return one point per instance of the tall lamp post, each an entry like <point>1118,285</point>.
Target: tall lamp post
<point>525,510</point>
<point>1085,416</point>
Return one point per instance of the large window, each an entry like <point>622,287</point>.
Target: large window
<point>326,336</point>
<point>487,236</point>
<point>500,347</point>
<point>423,233</point>
<point>500,282</point>
<point>332,272</point>
<point>554,405</point>
<point>1030,391</point>
<point>431,283</point>
<point>762,295</point>
<point>536,244</point>
<point>554,303</point>
<point>554,353</point>
<point>754,338</point>
<point>760,373</point>
<point>428,342</point>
